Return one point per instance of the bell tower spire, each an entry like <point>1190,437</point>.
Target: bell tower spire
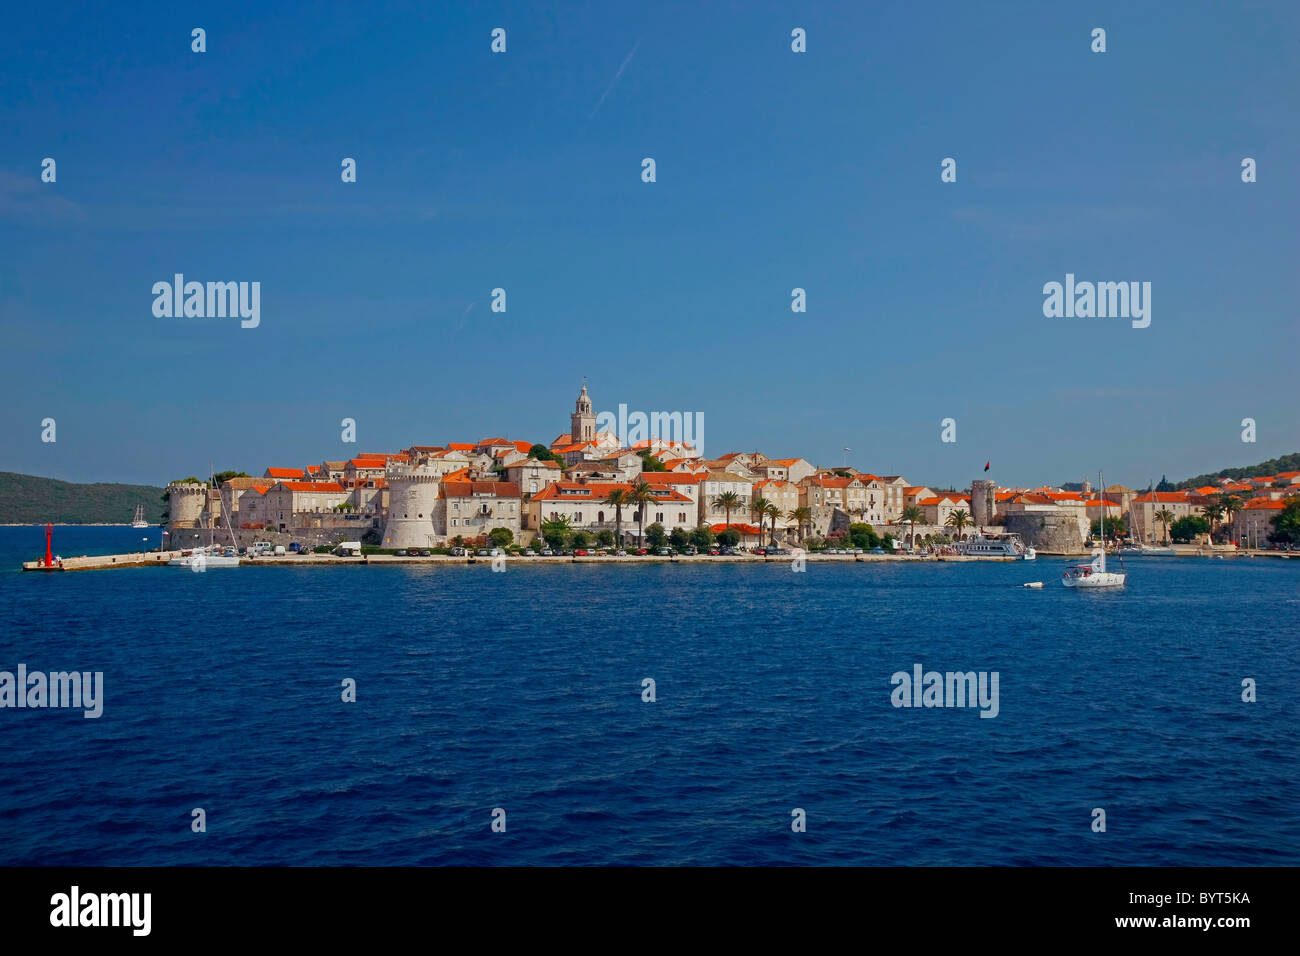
<point>582,423</point>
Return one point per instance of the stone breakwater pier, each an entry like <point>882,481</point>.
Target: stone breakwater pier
<point>156,559</point>
<point>92,562</point>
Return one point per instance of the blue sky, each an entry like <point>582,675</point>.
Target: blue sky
<point>775,170</point>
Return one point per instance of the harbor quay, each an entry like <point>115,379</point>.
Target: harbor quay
<point>590,490</point>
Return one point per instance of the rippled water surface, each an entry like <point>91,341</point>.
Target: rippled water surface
<point>522,691</point>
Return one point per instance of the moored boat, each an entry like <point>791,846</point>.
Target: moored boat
<point>201,559</point>
<point>996,546</point>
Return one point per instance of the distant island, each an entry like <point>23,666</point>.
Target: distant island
<point>28,499</point>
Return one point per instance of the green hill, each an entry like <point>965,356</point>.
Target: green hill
<point>28,499</point>
<point>1271,467</point>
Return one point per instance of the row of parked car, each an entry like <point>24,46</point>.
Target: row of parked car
<point>716,550</point>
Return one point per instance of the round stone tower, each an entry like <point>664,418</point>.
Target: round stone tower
<point>186,503</point>
<point>983,504</point>
<point>412,496</point>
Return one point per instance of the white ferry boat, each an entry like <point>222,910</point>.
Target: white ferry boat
<point>996,546</point>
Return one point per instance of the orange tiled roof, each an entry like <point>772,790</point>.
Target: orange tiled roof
<point>466,489</point>
<point>322,486</point>
<point>1268,504</point>
<point>735,526</point>
<point>284,472</point>
<point>670,478</point>
<point>1156,497</point>
<point>830,482</point>
<point>598,491</point>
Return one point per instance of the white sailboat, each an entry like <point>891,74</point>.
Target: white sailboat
<point>1094,574</point>
<point>200,559</point>
<point>138,521</point>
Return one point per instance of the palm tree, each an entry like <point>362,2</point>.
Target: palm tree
<point>1213,512</point>
<point>617,499</point>
<point>1231,505</point>
<point>801,517</point>
<point>911,515</point>
<point>641,496</point>
<point>773,512</point>
<point>1166,518</point>
<point>958,520</point>
<point>758,507</point>
<point>728,501</point>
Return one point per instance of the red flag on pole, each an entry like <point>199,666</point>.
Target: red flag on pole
<point>986,465</point>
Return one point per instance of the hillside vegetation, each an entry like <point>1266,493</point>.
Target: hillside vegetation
<point>28,499</point>
<point>1271,467</point>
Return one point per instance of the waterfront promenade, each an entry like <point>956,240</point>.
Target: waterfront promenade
<point>156,559</point>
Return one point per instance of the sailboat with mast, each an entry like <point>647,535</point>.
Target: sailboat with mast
<point>1139,547</point>
<point>1094,574</point>
<point>212,556</point>
<point>138,521</point>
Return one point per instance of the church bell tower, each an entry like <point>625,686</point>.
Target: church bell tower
<point>582,423</point>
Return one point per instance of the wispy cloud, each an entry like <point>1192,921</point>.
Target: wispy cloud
<point>623,66</point>
<point>27,199</point>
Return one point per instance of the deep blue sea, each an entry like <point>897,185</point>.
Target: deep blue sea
<point>522,691</point>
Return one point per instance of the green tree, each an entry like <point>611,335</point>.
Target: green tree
<point>617,499</point>
<point>758,508</point>
<point>802,517</point>
<point>542,453</point>
<point>1115,527</point>
<point>912,515</point>
<point>641,496</point>
<point>222,477</point>
<point>605,538</point>
<point>958,520</point>
<point>773,512</point>
<point>862,535</point>
<point>702,537</point>
<point>650,463</point>
<point>1286,525</point>
<point>556,532</point>
<point>500,537</point>
<point>1165,517</point>
<point>729,537</point>
<point>1184,529</point>
<point>728,501</point>
<point>656,535</point>
<point>1231,505</point>
<point>1213,512</point>
<point>581,539</point>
